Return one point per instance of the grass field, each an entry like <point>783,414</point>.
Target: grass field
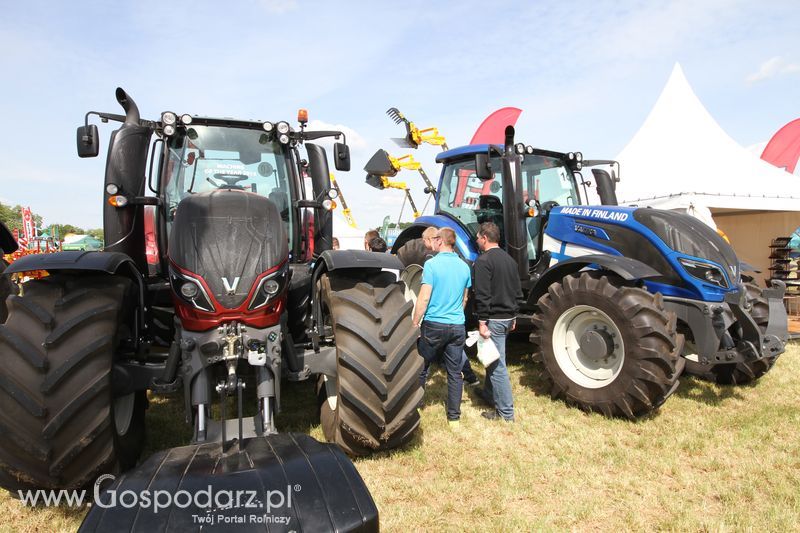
<point>714,458</point>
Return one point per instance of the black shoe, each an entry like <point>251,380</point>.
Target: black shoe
<point>472,383</point>
<point>494,415</point>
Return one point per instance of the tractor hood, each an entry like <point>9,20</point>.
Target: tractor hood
<point>693,260</point>
<point>228,237</point>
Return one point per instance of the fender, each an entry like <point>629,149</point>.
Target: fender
<point>108,262</point>
<point>341,259</point>
<point>7,242</point>
<point>627,268</point>
<point>82,262</point>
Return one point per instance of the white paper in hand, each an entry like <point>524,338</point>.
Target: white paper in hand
<point>487,351</point>
<point>472,337</point>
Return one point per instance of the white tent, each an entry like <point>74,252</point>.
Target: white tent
<point>682,159</point>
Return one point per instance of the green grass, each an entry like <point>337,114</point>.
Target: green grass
<point>714,458</point>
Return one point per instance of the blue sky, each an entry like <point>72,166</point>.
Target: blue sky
<point>585,74</point>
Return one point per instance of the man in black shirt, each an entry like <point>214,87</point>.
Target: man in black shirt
<point>497,293</point>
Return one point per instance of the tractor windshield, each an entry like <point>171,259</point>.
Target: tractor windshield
<point>204,158</point>
<point>472,201</point>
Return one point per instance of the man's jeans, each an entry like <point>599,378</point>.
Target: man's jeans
<point>435,341</point>
<point>498,383</point>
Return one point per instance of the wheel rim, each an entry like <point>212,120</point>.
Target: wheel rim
<point>588,346</point>
<point>123,412</point>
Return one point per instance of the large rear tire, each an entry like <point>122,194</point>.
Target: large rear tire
<point>371,405</point>
<point>744,372</point>
<point>60,423</point>
<point>607,347</point>
<point>414,252</point>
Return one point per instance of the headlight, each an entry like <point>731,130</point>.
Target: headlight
<point>283,139</point>
<point>112,188</point>
<point>168,118</point>
<point>268,126</point>
<point>169,130</point>
<point>270,287</point>
<point>529,149</point>
<point>333,194</point>
<point>186,119</point>
<point>704,272</point>
<point>190,290</point>
<point>520,148</point>
<point>283,127</point>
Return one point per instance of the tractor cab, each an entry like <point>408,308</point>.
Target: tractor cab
<point>472,197</point>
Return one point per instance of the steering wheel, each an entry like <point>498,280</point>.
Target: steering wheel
<point>229,179</point>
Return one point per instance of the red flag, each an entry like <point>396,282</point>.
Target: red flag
<point>783,150</point>
<point>493,129</point>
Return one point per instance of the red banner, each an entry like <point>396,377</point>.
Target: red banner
<point>783,150</point>
<point>27,225</point>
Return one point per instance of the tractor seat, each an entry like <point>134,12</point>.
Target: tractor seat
<point>490,209</point>
<point>488,201</point>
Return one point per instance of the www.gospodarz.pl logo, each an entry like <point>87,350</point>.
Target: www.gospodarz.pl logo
<point>207,500</point>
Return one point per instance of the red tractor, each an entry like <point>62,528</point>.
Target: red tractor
<point>235,287</point>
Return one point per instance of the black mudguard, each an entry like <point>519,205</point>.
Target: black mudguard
<point>108,262</point>
<point>291,482</point>
<point>340,259</point>
<point>627,268</point>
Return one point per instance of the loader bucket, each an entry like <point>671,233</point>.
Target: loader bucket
<point>380,165</point>
<point>284,482</point>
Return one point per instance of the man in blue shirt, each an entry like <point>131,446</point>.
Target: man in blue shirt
<point>440,315</point>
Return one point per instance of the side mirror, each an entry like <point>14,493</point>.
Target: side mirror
<point>341,157</point>
<point>482,167</point>
<point>88,141</point>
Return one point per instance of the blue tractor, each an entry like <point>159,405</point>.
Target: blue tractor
<point>619,300</point>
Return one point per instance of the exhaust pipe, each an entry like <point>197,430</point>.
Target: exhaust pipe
<point>130,107</point>
<point>126,168</point>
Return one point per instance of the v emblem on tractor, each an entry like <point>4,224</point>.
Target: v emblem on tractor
<point>231,287</point>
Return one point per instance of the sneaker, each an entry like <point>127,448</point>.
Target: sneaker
<point>494,415</point>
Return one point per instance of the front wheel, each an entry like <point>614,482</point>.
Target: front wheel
<point>61,424</point>
<point>606,346</point>
<point>371,404</point>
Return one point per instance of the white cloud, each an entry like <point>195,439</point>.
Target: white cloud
<point>772,67</point>
<point>354,139</point>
